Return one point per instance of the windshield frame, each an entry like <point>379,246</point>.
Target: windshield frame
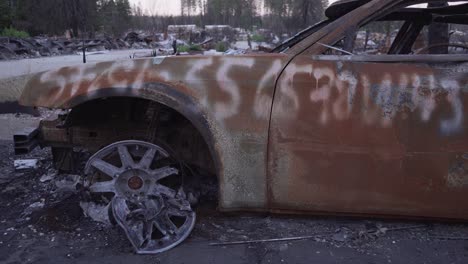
<point>300,36</point>
<point>356,18</point>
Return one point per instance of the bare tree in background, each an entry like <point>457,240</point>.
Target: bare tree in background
<point>281,15</point>
<point>5,14</point>
<point>289,15</point>
<point>115,17</point>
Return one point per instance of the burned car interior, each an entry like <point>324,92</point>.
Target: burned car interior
<point>410,26</point>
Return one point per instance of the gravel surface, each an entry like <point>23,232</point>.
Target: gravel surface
<point>42,223</point>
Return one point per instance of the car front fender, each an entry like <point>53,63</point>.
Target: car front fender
<point>227,98</point>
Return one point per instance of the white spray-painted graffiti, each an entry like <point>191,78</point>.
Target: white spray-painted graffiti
<point>68,86</point>
<point>335,92</point>
<point>263,99</point>
<point>228,109</point>
<point>380,102</point>
<point>452,125</point>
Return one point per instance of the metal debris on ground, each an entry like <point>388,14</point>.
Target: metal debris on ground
<point>68,182</point>
<point>25,164</point>
<point>448,238</point>
<point>235,52</point>
<point>98,213</point>
<point>268,240</point>
<point>46,178</point>
<point>340,235</point>
<point>34,207</point>
<point>373,233</point>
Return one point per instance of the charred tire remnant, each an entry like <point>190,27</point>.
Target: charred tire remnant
<point>140,183</point>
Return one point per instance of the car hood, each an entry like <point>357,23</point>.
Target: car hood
<point>57,88</point>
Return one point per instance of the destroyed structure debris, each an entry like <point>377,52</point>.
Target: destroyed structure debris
<point>190,37</point>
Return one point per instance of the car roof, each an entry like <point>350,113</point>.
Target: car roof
<point>450,14</point>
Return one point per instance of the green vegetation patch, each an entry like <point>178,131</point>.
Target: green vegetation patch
<point>14,33</point>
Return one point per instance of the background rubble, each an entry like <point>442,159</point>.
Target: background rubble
<point>189,41</point>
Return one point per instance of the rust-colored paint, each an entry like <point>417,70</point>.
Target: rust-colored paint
<point>370,138</point>
<point>292,132</point>
<point>233,94</point>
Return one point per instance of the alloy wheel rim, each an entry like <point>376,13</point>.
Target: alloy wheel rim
<point>155,216</point>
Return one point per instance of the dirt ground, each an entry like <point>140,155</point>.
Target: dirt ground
<point>42,222</point>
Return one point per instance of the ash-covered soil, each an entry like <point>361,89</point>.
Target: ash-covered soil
<point>41,222</point>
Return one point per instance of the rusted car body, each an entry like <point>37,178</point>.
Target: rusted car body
<point>295,131</point>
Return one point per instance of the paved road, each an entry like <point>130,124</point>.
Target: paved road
<point>14,68</point>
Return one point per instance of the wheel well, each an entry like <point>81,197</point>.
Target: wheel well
<point>135,118</point>
<point>113,119</point>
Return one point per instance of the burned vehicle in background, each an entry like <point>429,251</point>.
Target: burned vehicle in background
<point>321,125</point>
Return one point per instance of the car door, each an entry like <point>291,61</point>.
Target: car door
<point>384,135</point>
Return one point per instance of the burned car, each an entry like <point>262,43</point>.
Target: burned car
<point>324,124</point>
